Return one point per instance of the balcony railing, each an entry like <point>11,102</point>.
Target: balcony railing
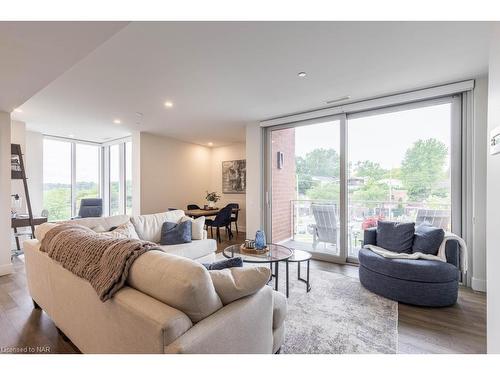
<point>363,215</point>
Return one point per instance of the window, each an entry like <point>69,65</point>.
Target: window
<point>119,177</point>
<point>343,173</point>
<point>87,172</point>
<point>128,178</point>
<point>57,179</point>
<point>407,180</point>
<point>115,186</point>
<point>74,170</point>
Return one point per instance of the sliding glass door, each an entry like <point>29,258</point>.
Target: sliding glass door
<point>400,167</point>
<point>329,179</point>
<point>306,176</point>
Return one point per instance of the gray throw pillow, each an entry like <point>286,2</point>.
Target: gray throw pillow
<point>394,236</point>
<point>427,239</point>
<point>174,234</point>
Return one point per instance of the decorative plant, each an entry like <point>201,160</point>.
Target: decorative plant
<point>212,197</point>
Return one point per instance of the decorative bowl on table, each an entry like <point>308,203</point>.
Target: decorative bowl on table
<point>253,250</point>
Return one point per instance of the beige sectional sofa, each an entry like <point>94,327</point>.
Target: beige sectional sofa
<point>169,305</point>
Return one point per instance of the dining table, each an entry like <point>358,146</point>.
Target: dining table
<point>202,212</point>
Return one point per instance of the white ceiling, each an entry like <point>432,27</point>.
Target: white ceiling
<point>33,54</point>
<point>222,75</point>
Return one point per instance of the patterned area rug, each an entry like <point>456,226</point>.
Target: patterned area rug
<point>337,316</point>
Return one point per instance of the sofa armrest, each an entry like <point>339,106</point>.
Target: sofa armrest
<point>452,252</point>
<point>370,236</point>
<point>244,326</point>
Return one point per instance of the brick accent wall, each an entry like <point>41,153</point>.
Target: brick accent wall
<point>283,184</point>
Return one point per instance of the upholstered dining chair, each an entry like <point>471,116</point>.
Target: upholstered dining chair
<point>234,214</point>
<point>222,220</point>
<point>193,207</point>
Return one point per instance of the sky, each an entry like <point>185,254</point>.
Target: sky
<point>382,138</point>
<point>57,162</point>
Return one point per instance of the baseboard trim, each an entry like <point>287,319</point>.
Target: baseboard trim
<point>478,284</point>
<point>6,269</point>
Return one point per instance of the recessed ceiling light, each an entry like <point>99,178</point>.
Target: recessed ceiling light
<point>169,104</point>
<point>302,74</point>
<point>117,121</point>
<point>71,135</point>
<point>210,144</point>
<point>18,110</point>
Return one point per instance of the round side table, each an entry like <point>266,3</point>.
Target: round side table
<point>299,256</point>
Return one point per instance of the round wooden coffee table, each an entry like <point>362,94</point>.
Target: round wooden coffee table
<point>276,254</point>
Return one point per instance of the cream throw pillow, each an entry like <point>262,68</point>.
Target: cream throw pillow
<point>237,282</point>
<point>176,281</point>
<point>197,227</point>
<point>126,230</point>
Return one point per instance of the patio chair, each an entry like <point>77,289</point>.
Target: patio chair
<point>325,228</point>
<point>434,218</point>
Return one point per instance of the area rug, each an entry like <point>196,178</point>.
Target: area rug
<point>338,316</point>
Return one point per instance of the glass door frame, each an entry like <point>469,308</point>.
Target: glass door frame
<point>268,162</point>
<point>456,165</point>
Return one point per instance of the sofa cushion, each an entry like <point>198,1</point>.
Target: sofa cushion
<point>235,283</point>
<point>197,227</point>
<point>192,250</point>
<point>105,222</point>
<point>148,227</point>
<point>427,239</point>
<point>422,270</point>
<point>177,281</point>
<point>395,236</point>
<point>175,233</point>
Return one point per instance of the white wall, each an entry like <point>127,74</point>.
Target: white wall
<point>220,154</point>
<point>478,281</point>
<point>34,169</point>
<point>493,199</point>
<point>5,230</point>
<point>255,181</point>
<point>173,173</point>
<point>18,136</point>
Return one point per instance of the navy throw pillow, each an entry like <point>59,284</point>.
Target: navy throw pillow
<point>427,239</point>
<point>394,236</point>
<point>174,234</point>
<point>222,264</point>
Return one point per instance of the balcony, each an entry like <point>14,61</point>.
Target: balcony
<point>315,224</point>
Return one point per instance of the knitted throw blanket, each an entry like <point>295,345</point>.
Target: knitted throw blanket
<point>104,261</point>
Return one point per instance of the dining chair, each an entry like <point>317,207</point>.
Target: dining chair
<point>193,207</point>
<point>222,220</point>
<point>234,215</point>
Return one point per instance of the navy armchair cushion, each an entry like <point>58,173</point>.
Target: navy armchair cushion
<point>174,234</point>
<point>427,239</point>
<point>370,236</point>
<point>394,236</point>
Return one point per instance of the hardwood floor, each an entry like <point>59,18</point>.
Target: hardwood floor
<point>457,329</point>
